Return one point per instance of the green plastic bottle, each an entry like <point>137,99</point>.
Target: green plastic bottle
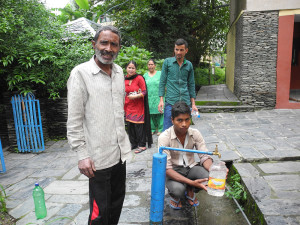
<point>39,202</point>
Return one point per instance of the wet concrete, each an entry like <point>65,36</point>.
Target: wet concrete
<point>211,211</point>
<point>264,147</point>
<point>218,210</point>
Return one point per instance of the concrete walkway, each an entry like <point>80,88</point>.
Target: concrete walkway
<point>218,93</point>
<point>264,146</point>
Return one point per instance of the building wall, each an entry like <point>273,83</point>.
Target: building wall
<point>230,58</point>
<point>238,69</point>
<point>295,73</point>
<point>286,25</point>
<point>255,59</point>
<point>236,6</point>
<point>266,5</point>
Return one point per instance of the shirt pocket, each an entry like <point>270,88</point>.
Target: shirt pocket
<point>184,74</point>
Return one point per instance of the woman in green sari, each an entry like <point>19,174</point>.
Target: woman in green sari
<point>152,79</point>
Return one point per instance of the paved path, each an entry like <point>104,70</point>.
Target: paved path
<point>264,146</point>
<point>218,93</point>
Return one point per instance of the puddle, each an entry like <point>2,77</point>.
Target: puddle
<point>217,210</point>
<point>211,211</point>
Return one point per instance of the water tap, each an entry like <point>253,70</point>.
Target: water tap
<point>216,152</point>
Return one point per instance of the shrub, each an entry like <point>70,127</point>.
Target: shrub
<point>35,54</point>
<point>139,55</point>
<point>202,76</point>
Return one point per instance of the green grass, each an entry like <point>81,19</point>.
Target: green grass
<point>3,199</point>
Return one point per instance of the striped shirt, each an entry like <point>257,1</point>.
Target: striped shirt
<point>193,140</point>
<point>179,81</point>
<point>95,126</point>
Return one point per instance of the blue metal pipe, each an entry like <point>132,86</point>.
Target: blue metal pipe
<point>158,187</point>
<point>159,164</point>
<point>183,150</point>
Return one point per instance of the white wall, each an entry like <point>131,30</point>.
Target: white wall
<point>265,5</point>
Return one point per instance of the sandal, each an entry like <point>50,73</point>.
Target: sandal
<point>176,203</point>
<point>194,200</point>
<point>140,149</point>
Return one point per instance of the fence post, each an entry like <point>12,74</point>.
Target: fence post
<point>2,159</point>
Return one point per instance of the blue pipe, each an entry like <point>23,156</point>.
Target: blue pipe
<point>158,187</point>
<point>159,164</point>
<point>183,150</point>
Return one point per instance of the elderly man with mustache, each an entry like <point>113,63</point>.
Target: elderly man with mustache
<point>96,129</point>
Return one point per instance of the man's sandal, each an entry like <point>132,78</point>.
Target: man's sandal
<point>139,150</point>
<point>175,204</point>
<point>194,200</point>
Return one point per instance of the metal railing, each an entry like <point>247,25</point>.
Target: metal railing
<point>28,125</point>
<point>2,159</point>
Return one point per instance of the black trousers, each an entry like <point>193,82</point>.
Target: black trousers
<point>107,193</point>
<point>177,189</point>
<point>137,135</point>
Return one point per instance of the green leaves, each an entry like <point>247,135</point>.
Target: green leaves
<point>156,24</point>
<point>34,52</point>
<point>2,199</point>
<point>84,4</point>
<point>139,55</point>
<point>237,190</point>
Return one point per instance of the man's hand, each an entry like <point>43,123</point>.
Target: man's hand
<point>161,105</point>
<point>194,108</point>
<point>201,183</point>
<point>132,97</point>
<point>87,167</point>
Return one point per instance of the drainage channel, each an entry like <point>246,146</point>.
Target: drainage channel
<point>211,211</point>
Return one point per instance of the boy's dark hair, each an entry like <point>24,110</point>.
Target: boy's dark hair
<point>181,42</point>
<point>180,108</point>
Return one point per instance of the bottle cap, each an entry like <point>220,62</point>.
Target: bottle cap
<point>36,184</point>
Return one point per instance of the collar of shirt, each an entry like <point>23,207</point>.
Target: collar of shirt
<point>96,69</point>
<point>175,61</point>
<point>174,136</point>
<point>182,161</point>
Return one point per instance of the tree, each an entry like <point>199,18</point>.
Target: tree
<point>156,24</point>
<point>35,51</point>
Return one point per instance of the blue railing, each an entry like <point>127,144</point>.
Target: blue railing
<point>2,159</point>
<point>28,125</point>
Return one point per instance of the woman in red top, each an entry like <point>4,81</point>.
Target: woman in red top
<point>136,104</point>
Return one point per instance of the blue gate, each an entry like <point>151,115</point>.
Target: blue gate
<point>28,125</point>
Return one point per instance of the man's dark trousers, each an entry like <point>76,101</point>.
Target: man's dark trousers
<point>107,193</point>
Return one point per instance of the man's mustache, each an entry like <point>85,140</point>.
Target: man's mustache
<point>107,53</point>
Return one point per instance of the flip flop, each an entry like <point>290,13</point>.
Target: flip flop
<point>176,205</point>
<point>194,200</point>
<point>140,149</point>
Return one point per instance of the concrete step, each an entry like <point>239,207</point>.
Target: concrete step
<point>218,98</point>
<point>218,108</point>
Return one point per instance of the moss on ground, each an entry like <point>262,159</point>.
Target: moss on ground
<point>252,211</point>
<point>218,103</point>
